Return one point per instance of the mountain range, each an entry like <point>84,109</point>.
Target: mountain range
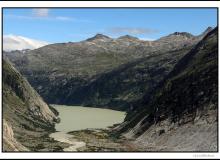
<point>62,71</point>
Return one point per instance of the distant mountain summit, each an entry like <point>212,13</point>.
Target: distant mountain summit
<point>189,35</point>
<point>184,34</point>
<point>209,29</point>
<point>98,37</point>
<point>177,36</point>
<point>128,37</point>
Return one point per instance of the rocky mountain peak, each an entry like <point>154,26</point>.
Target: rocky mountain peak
<point>128,37</point>
<point>208,29</point>
<point>98,37</point>
<point>184,34</point>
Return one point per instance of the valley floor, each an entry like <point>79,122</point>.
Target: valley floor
<point>93,140</point>
<point>189,137</point>
<point>101,140</point>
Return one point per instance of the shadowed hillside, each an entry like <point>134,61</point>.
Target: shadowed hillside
<point>183,105</point>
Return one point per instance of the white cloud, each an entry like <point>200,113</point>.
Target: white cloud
<point>14,42</point>
<point>41,12</point>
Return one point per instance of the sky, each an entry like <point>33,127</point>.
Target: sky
<point>75,24</point>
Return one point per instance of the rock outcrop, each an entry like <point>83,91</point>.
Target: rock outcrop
<point>26,116</point>
<point>9,142</point>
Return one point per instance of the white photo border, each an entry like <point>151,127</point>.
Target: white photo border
<point>105,4</point>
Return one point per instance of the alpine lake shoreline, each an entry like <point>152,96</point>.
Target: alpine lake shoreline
<point>90,139</point>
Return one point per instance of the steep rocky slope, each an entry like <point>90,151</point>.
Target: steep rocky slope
<point>67,73</point>
<point>27,119</point>
<point>122,87</point>
<point>9,142</point>
<point>184,105</point>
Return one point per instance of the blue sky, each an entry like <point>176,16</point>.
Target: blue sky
<point>64,25</point>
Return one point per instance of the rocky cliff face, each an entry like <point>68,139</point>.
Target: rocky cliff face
<point>183,106</point>
<point>26,116</point>
<point>9,141</point>
<point>63,73</point>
